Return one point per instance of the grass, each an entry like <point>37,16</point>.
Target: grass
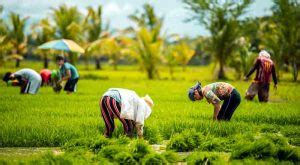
<point>73,121</point>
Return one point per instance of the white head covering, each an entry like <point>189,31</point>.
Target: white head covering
<point>264,53</point>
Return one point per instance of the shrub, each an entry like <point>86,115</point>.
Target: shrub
<point>154,159</point>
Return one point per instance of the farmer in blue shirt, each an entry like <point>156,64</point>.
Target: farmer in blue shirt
<point>68,73</point>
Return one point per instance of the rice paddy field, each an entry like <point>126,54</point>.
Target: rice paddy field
<point>50,128</point>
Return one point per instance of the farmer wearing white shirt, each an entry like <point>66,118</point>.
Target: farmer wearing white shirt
<point>128,107</point>
<point>29,80</point>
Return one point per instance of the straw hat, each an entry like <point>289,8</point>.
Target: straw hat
<point>148,100</point>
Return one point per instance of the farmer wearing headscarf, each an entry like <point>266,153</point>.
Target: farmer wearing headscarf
<point>128,107</point>
<point>28,79</point>
<point>68,73</point>
<point>264,68</point>
<point>215,93</point>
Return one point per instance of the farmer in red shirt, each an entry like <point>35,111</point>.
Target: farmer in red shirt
<point>46,76</point>
<point>264,68</point>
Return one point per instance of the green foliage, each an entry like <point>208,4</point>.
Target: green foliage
<point>171,156</point>
<point>111,150</point>
<point>139,148</point>
<point>154,159</point>
<point>98,144</point>
<point>124,158</point>
<point>203,158</point>
<point>185,141</point>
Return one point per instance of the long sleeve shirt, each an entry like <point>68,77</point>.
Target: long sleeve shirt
<point>264,68</point>
<point>132,106</point>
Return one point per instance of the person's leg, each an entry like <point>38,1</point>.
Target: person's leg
<point>252,91</point>
<point>264,92</point>
<point>235,102</point>
<point>222,112</point>
<point>116,109</point>
<point>107,117</point>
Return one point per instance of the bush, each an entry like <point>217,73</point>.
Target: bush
<point>186,141</point>
<point>124,158</point>
<point>74,144</point>
<point>154,159</point>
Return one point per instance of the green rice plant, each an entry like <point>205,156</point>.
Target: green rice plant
<point>171,156</point>
<point>139,148</point>
<point>154,158</point>
<point>199,158</point>
<point>188,140</point>
<point>98,144</point>
<point>111,150</point>
<point>152,135</point>
<point>289,153</point>
<point>124,158</point>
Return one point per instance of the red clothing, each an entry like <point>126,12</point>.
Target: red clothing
<point>264,69</point>
<point>46,75</point>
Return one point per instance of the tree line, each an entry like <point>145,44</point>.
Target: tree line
<point>234,39</point>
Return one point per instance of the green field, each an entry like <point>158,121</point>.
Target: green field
<point>265,133</point>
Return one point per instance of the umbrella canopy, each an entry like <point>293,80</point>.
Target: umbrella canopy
<point>62,44</point>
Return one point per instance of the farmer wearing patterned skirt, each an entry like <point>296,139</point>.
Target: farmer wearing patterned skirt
<point>128,107</point>
<point>264,67</point>
<point>215,93</point>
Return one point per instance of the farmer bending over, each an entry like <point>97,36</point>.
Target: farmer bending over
<point>51,78</point>
<point>264,67</point>
<point>128,107</point>
<point>214,93</point>
<point>68,73</point>
<point>28,79</point>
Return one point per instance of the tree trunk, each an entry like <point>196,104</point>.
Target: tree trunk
<point>115,66</point>
<point>72,58</point>
<point>295,71</point>
<point>18,63</point>
<point>46,62</point>
<point>221,74</point>
<point>86,62</point>
<point>150,74</point>
<point>98,64</point>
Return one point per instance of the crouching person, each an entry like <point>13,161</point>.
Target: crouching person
<point>51,78</point>
<point>128,107</point>
<point>28,79</point>
<point>215,93</point>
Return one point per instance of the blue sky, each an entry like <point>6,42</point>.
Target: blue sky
<point>117,11</point>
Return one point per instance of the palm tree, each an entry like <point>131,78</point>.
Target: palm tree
<point>94,30</point>
<point>147,46</point>
<point>287,16</point>
<point>183,54</point>
<point>5,46</point>
<point>221,19</point>
<point>68,22</point>
<point>17,36</point>
<point>43,32</point>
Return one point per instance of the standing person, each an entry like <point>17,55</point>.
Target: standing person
<point>215,93</point>
<point>128,107</point>
<point>28,79</point>
<point>264,67</point>
<point>68,73</point>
